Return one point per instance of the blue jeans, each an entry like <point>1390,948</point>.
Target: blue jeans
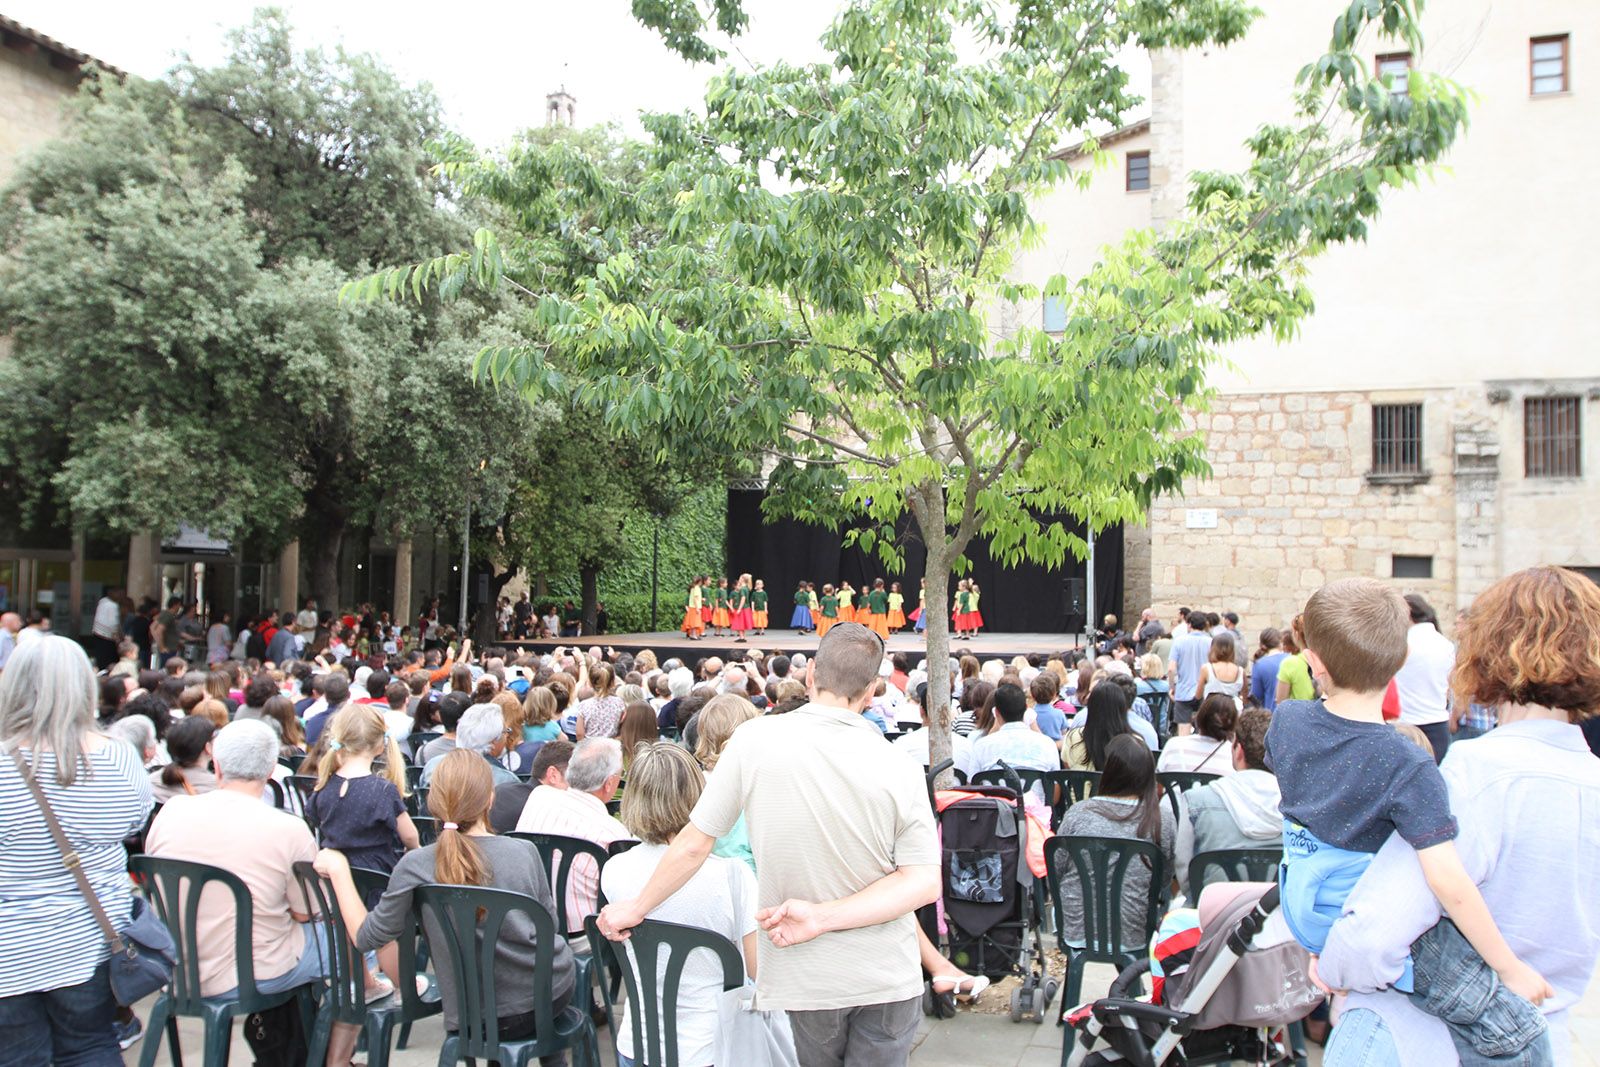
<point>1361,1039</point>
<point>69,1026</point>
<point>311,967</point>
<point>1489,1024</point>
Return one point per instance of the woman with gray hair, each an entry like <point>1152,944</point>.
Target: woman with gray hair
<point>55,991</point>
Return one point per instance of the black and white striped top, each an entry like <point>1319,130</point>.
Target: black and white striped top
<point>48,936</point>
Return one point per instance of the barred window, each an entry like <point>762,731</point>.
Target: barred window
<point>1138,171</point>
<point>1547,65</point>
<point>1396,66</point>
<point>1552,439</point>
<point>1397,439</point>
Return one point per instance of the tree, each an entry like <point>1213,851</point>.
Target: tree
<point>836,242</point>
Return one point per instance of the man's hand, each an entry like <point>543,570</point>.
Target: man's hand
<point>794,922</point>
<point>616,920</point>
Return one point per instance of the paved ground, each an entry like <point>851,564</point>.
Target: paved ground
<point>969,1040</point>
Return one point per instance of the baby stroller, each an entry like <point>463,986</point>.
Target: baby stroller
<point>1231,982</point>
<point>988,892</point>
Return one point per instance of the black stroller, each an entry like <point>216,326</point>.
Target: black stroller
<point>1233,996</point>
<point>988,894</point>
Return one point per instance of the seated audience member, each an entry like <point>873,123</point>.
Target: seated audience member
<point>1083,747</point>
<point>1014,742</point>
<point>593,774</point>
<point>549,768</point>
<point>1044,689</point>
<point>1209,749</point>
<point>915,743</point>
<point>256,694</point>
<point>1137,711</point>
<point>397,718</point>
<point>663,787</point>
<point>717,721</point>
<point>336,692</point>
<point>139,732</point>
<point>231,828</point>
<point>482,729</point>
<point>1128,804</point>
<point>1238,811</point>
<point>539,710</point>
<point>189,745</point>
<point>638,728</point>
<point>450,707</point>
<point>467,853</point>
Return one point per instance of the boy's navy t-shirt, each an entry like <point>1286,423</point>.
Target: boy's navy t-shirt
<point>1352,783</point>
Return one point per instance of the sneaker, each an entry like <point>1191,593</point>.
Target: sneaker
<point>128,1032</point>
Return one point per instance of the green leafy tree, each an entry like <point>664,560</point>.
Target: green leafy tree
<point>837,239</point>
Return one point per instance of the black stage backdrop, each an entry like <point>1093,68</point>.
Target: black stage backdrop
<point>1023,599</point>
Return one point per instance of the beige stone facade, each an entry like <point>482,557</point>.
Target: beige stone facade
<point>37,76</point>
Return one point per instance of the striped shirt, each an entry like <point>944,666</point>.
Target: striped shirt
<point>572,813</point>
<point>48,936</point>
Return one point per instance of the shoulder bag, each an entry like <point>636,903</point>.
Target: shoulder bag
<point>143,954</point>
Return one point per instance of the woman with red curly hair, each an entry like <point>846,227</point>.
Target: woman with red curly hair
<point>1526,798</point>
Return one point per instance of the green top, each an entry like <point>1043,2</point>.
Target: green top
<point>1297,672</point>
<point>961,602</point>
<point>721,600</point>
<point>878,602</point>
<point>740,599</point>
<point>830,607</point>
<point>758,599</point>
<point>802,597</point>
<point>571,614</point>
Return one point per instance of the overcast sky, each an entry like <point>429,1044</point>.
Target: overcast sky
<point>492,64</point>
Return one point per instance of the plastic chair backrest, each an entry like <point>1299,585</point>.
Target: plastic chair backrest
<point>617,848</point>
<point>293,762</point>
<point>413,776</point>
<point>427,828</point>
<point>645,944</point>
<point>1071,787</point>
<point>1176,782</point>
<point>346,969</point>
<point>176,890</point>
<point>1235,865</point>
<point>305,787</point>
<point>466,946</point>
<point>1100,864</point>
<point>559,853</point>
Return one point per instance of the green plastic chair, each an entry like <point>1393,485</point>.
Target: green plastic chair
<point>1100,864</point>
<point>465,944</point>
<point>1000,776</point>
<point>1234,865</point>
<point>558,853</point>
<point>1175,782</point>
<point>645,943</point>
<point>427,828</point>
<point>1158,704</point>
<point>371,883</point>
<point>175,888</point>
<point>346,999</point>
<point>293,762</point>
<point>1070,787</point>
<point>305,787</point>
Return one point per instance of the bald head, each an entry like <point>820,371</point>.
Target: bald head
<point>11,622</point>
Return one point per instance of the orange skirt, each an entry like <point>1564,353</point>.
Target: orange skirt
<point>816,617</point>
<point>897,620</point>
<point>760,619</point>
<point>846,614</point>
<point>692,622</point>
<point>721,617</point>
<point>824,624</point>
<point>879,625</point>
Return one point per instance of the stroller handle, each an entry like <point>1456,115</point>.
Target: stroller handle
<point>1248,927</point>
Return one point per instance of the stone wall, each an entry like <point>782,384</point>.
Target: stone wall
<point>32,93</point>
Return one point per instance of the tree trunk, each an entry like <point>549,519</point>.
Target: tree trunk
<point>928,510</point>
<point>590,577</point>
<point>326,532</point>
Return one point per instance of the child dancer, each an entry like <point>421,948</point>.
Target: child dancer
<point>958,613</point>
<point>361,813</point>
<point>801,619</point>
<point>897,604</point>
<point>816,605</point>
<point>739,613</point>
<point>721,617</point>
<point>758,606</point>
<point>974,616</point>
<point>878,609</point>
<point>847,596</point>
<point>920,616</point>
<point>694,621</point>
<point>830,611</point>
<point>707,611</point>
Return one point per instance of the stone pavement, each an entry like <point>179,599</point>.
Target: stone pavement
<point>968,1040</point>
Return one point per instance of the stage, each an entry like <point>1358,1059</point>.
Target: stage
<point>986,646</point>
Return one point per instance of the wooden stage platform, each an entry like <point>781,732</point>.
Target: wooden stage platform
<point>986,646</point>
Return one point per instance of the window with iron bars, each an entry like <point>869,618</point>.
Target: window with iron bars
<point>1397,439</point>
<point>1552,439</point>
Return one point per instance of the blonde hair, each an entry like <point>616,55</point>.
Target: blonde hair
<point>1414,734</point>
<point>212,709</point>
<point>663,786</point>
<point>1150,666</point>
<point>360,728</point>
<point>539,706</point>
<point>716,723</point>
<point>512,710</point>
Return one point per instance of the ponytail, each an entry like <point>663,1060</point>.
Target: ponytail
<point>460,798</point>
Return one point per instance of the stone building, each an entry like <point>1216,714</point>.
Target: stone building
<point>1433,423</point>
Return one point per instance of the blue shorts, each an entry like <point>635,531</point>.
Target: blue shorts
<point>312,967</point>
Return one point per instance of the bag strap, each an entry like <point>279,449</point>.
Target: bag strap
<point>69,857</point>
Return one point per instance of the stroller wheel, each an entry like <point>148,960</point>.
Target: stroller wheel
<point>1016,1005</point>
<point>1041,1003</point>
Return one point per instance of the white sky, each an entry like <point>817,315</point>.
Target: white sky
<point>490,63</point>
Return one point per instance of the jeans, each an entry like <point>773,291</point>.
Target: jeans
<point>68,1027</point>
<point>1438,734</point>
<point>1468,733</point>
<point>871,1035</point>
<point>1361,1039</point>
<point>1489,1024</point>
<point>312,966</point>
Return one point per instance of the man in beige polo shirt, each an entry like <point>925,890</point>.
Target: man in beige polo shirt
<point>845,852</point>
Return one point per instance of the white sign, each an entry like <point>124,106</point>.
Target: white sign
<point>199,542</point>
<point>1200,518</point>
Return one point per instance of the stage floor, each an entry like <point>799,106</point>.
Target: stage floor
<point>987,646</point>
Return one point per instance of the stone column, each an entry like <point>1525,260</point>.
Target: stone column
<point>1137,584</point>
<point>289,577</point>
<point>402,606</point>
<point>1169,187</point>
<point>142,549</point>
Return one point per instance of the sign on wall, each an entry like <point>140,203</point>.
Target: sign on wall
<point>1200,518</point>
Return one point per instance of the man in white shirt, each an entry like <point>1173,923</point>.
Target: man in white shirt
<point>1016,743</point>
<point>578,809</point>
<point>1423,684</point>
<point>107,626</point>
<point>307,619</point>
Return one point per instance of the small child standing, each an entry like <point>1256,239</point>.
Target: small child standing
<point>801,619</point>
<point>721,616</point>
<point>846,611</point>
<point>897,608</point>
<point>1349,781</point>
<point>758,606</point>
<point>920,616</point>
<point>974,616</point>
<point>958,613</point>
<point>878,609</point>
<point>694,623</point>
<point>830,611</point>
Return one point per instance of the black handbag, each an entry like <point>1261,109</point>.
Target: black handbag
<point>143,953</point>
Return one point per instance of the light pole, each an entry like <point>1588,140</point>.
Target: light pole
<point>466,550</point>
<point>1088,595</point>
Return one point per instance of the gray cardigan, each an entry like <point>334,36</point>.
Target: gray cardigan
<point>513,865</point>
<point>1097,817</point>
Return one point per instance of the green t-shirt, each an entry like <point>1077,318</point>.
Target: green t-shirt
<point>721,600</point>
<point>878,602</point>
<point>802,598</point>
<point>830,607</point>
<point>758,599</point>
<point>1296,670</point>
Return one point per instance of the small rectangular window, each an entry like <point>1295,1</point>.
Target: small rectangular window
<point>1138,171</point>
<point>1396,66</point>
<point>1552,438</point>
<point>1397,439</point>
<point>1055,314</point>
<point>1548,69</point>
<point>1411,566</point>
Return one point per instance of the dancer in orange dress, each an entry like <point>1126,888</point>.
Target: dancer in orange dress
<point>830,611</point>
<point>897,608</point>
<point>878,609</point>
<point>707,612</point>
<point>721,617</point>
<point>974,616</point>
<point>694,623</point>
<point>847,610</point>
<point>815,604</point>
